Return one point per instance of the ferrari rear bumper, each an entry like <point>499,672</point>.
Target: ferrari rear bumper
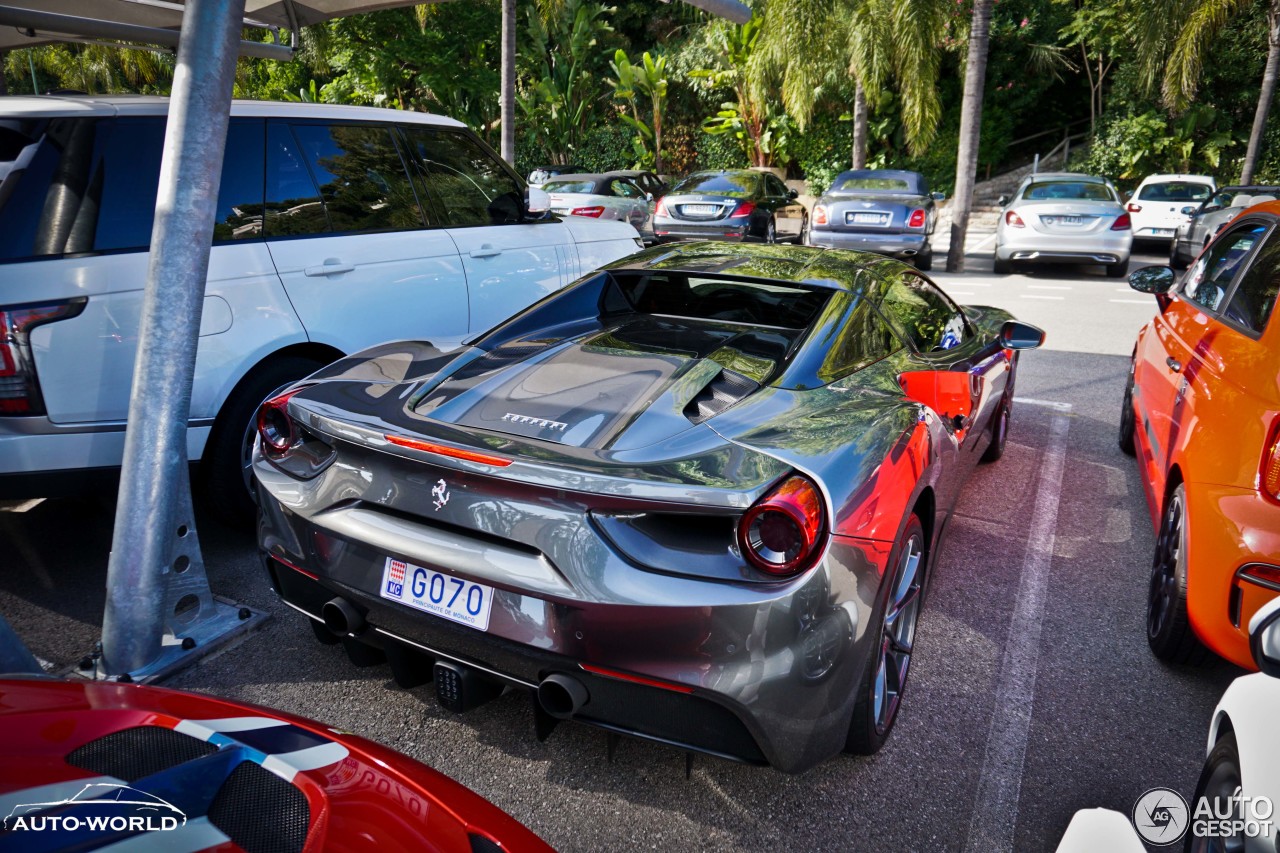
<point>768,676</point>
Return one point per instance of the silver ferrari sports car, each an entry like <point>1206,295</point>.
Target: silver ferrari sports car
<point>694,497</point>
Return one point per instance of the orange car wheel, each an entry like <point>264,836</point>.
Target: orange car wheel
<point>1169,631</point>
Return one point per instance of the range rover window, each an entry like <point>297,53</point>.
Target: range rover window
<point>293,205</point>
<point>361,177</point>
<point>240,207</point>
<point>467,184</point>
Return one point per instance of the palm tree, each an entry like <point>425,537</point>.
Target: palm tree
<point>975,79</point>
<point>816,45</point>
<point>507,98</point>
<point>1191,26</point>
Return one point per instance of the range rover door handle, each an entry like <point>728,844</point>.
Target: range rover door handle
<point>485,251</point>
<point>1175,366</point>
<point>331,266</point>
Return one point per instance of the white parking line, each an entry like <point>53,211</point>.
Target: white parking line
<point>990,238</point>
<point>1131,301</point>
<point>1050,286</point>
<point>995,813</point>
<point>1040,296</point>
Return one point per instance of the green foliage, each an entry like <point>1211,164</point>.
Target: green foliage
<point>647,80</point>
<point>1129,147</point>
<point>823,151</point>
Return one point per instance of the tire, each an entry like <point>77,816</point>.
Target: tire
<point>770,232</point>
<point>802,239</point>
<point>879,695</point>
<point>225,465</point>
<point>1002,267</point>
<point>1119,270</point>
<point>999,431</point>
<point>1128,421</point>
<point>924,261</point>
<point>1219,779</point>
<point>1169,631</point>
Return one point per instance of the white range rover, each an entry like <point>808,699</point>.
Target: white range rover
<point>337,228</point>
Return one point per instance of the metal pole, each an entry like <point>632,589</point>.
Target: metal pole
<point>508,83</point>
<point>153,479</point>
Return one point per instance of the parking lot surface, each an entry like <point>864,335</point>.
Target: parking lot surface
<point>1033,693</point>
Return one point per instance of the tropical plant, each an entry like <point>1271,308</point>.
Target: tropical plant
<point>563,89</point>
<point>815,45</point>
<point>762,129</point>
<point>1191,26</point>
<point>1104,32</point>
<point>649,79</point>
<point>95,68</point>
<point>975,79</point>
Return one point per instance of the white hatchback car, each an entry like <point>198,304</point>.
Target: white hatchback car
<point>1156,205</point>
<point>337,228</point>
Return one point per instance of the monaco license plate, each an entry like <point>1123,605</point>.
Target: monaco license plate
<point>1064,219</point>
<point>867,218</point>
<point>699,209</point>
<point>437,593</point>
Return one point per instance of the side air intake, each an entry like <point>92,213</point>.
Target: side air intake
<point>719,394</point>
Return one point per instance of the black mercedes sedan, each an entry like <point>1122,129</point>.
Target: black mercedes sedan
<point>732,204</point>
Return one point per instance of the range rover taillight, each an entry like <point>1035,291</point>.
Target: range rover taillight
<point>19,391</point>
<point>782,533</point>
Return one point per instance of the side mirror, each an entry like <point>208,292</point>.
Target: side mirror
<point>1155,280</point>
<point>648,197</point>
<point>793,194</point>
<point>940,196</point>
<point>1189,210</point>
<point>1018,335</point>
<point>536,202</point>
<point>1264,637</point>
<point>1003,200</point>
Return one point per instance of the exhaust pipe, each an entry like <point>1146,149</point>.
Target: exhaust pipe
<point>341,617</point>
<point>562,695</point>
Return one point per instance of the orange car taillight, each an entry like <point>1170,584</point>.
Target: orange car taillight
<point>19,391</point>
<point>782,533</point>
<point>1262,574</point>
<point>1269,475</point>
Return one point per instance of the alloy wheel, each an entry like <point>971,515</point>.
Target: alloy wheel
<point>1163,595</point>
<point>897,635</point>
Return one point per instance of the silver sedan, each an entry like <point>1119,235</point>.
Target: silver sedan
<point>609,195</point>
<point>1064,218</point>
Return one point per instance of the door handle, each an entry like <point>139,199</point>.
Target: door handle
<point>1175,366</point>
<point>331,266</point>
<point>485,251</point>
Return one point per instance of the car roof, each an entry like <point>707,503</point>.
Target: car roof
<point>1065,176</point>
<point>594,176</point>
<point>1150,179</point>
<point>73,105</point>
<point>837,269</point>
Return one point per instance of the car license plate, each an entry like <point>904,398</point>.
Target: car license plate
<point>1065,219</point>
<point>1162,232</point>
<point>699,209</point>
<point>867,218</point>
<point>437,593</point>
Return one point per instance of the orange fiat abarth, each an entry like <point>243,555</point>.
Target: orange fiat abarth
<point>1202,415</point>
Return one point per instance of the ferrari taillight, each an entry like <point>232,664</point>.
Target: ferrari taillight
<point>916,220</point>
<point>276,429</point>
<point>1269,476</point>
<point>782,533</point>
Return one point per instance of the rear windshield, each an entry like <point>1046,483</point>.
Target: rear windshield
<point>734,185</point>
<point>1175,191</point>
<point>893,185</point>
<point>775,305</point>
<point>1068,191</point>
<point>570,186</point>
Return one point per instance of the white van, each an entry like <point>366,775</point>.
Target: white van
<point>337,228</point>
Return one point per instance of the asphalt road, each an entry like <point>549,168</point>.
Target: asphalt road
<point>1032,694</point>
